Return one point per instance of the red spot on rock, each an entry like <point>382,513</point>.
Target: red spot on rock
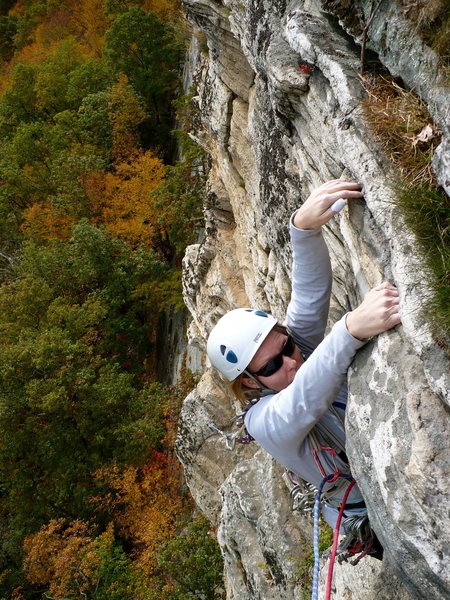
<point>306,68</point>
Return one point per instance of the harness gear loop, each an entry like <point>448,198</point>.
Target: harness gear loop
<point>302,494</point>
<point>359,540</point>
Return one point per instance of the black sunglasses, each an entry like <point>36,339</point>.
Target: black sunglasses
<point>273,365</point>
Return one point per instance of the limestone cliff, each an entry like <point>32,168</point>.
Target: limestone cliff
<point>274,132</point>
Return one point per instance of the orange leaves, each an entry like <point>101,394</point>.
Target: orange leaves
<point>46,222</point>
<point>147,504</point>
<point>47,37</point>
<point>61,556</point>
<point>91,23</point>
<point>122,200</point>
<point>86,20</point>
<point>126,114</point>
<point>165,9</point>
<point>71,563</point>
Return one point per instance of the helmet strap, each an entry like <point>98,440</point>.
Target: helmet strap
<point>256,393</point>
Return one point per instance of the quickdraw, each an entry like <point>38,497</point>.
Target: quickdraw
<point>230,438</point>
<point>302,494</point>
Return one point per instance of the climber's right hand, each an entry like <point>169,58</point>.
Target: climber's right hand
<point>378,312</point>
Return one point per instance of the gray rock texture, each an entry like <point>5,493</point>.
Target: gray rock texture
<point>274,133</point>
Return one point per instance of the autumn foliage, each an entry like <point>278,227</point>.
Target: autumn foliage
<point>73,563</point>
<point>95,215</point>
<point>147,504</point>
<point>62,556</point>
<point>122,199</point>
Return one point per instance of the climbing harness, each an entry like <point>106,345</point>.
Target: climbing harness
<point>359,537</point>
<point>306,498</point>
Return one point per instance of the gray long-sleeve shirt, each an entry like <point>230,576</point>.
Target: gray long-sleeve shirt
<point>281,422</point>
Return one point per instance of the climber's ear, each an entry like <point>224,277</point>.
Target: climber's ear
<point>249,383</point>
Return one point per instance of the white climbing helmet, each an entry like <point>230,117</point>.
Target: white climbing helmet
<point>236,338</point>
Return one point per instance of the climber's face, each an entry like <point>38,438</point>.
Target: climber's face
<point>276,362</point>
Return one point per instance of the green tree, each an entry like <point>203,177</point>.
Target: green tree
<point>117,577</point>
<point>25,167</point>
<point>70,332</point>
<point>96,266</point>
<point>59,82</point>
<point>18,103</point>
<point>8,29</point>
<point>114,7</point>
<point>140,45</point>
<point>192,565</point>
<point>180,198</point>
<point>48,161</point>
<point>27,145</point>
<point>69,172</point>
<point>90,77</point>
<point>53,76</point>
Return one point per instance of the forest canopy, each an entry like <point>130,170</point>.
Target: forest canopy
<point>96,210</point>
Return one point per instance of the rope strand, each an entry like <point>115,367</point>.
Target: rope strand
<point>315,585</point>
<point>335,541</point>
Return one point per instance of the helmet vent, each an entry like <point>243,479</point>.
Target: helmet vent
<point>231,357</point>
<point>258,313</point>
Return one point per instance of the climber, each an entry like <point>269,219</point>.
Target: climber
<point>292,378</point>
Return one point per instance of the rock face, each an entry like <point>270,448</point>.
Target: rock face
<point>275,131</point>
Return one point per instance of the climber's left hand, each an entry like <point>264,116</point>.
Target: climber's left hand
<point>316,210</point>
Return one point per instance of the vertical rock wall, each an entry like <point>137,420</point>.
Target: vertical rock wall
<point>274,133</point>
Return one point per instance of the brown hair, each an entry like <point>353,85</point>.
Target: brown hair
<point>237,386</point>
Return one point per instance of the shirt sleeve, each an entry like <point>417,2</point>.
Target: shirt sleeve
<point>281,422</point>
<point>307,312</point>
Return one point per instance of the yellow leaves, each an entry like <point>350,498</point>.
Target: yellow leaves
<point>126,114</point>
<point>57,555</point>
<point>150,505</point>
<point>46,222</point>
<point>122,200</point>
<point>91,22</point>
